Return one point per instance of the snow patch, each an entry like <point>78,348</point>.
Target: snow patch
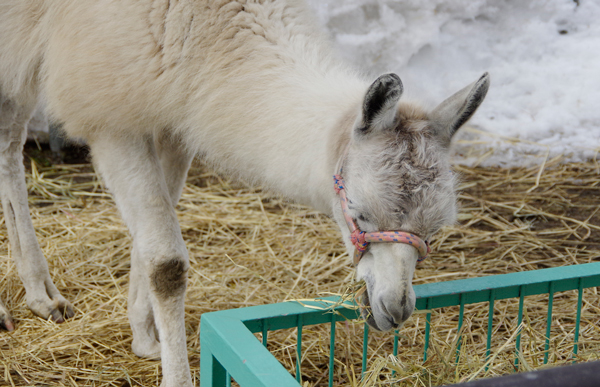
<point>543,57</point>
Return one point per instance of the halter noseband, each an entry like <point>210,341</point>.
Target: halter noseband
<point>361,239</point>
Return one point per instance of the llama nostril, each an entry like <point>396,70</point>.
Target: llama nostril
<point>407,310</point>
<point>403,302</point>
<point>402,311</point>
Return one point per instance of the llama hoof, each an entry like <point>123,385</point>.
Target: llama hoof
<point>146,350</point>
<point>59,315</point>
<point>7,323</point>
<point>57,310</point>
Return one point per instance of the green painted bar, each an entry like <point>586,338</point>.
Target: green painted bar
<point>285,314</point>
<point>549,322</point>
<point>427,330</point>
<point>488,344</point>
<point>396,338</point>
<point>331,350</point>
<point>265,332</point>
<point>507,285</point>
<point>518,343</point>
<point>299,351</point>
<point>237,350</point>
<point>213,373</point>
<point>579,305</point>
<point>461,314</point>
<point>395,349</point>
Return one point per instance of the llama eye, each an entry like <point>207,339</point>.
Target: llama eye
<point>363,218</point>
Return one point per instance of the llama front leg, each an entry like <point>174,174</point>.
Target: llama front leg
<point>132,170</point>
<point>175,162</point>
<point>42,296</point>
<point>139,310</point>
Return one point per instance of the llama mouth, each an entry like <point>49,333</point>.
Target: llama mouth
<point>367,313</point>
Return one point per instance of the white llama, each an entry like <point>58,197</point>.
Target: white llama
<point>253,88</point>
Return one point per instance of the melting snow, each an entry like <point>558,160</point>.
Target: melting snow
<point>543,57</point>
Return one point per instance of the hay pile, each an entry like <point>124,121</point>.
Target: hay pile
<point>247,248</point>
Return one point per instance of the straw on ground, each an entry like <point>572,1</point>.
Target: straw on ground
<point>248,248</point>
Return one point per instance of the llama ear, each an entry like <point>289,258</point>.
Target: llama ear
<point>451,114</point>
<point>379,106</point>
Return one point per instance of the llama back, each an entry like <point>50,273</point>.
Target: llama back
<point>148,63</point>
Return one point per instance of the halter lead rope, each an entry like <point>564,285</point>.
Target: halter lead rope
<point>361,239</point>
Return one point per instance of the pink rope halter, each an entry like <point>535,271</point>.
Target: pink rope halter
<point>361,239</point>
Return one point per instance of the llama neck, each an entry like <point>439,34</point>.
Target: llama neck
<point>287,134</point>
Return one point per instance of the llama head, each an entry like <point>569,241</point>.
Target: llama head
<point>398,178</point>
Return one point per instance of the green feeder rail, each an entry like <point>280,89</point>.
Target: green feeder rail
<point>229,348</point>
